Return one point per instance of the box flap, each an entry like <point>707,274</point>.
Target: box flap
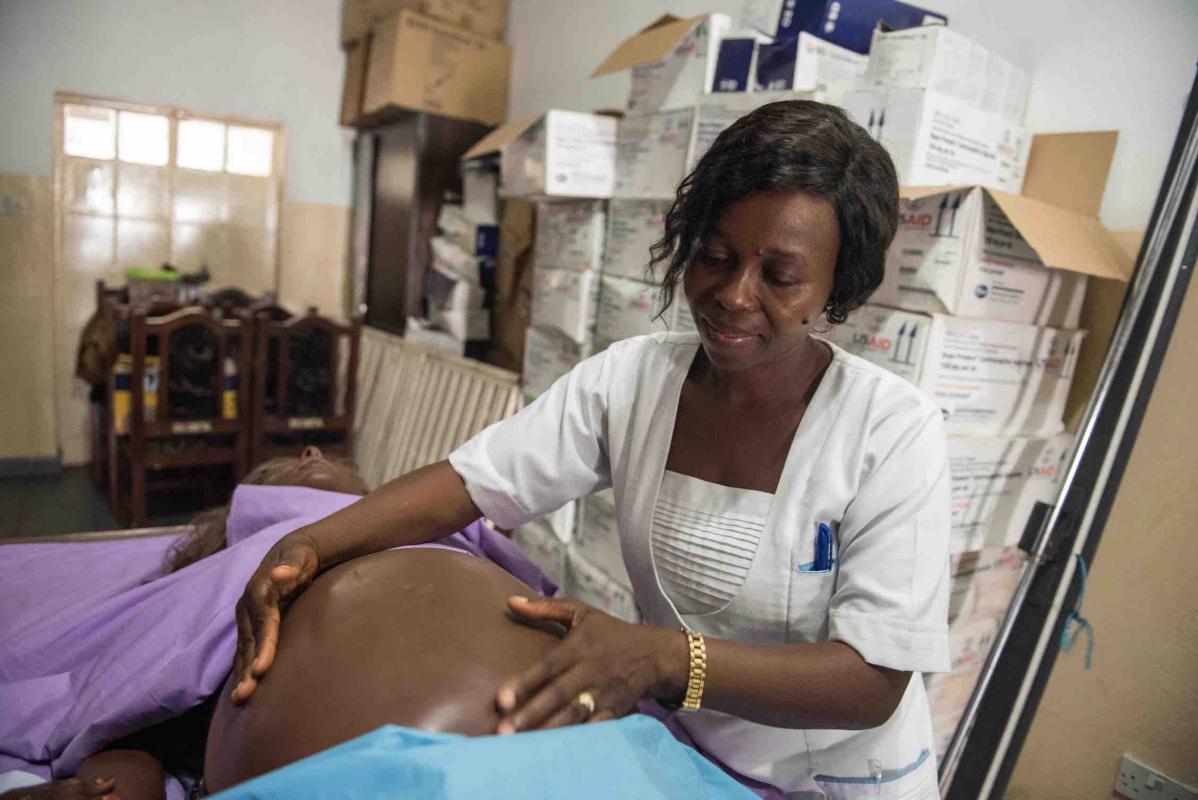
<point>1063,238</point>
<point>494,141</point>
<point>1070,169</point>
<point>650,44</point>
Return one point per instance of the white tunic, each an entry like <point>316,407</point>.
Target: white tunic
<point>867,461</point>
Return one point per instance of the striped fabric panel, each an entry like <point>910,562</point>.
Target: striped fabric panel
<point>702,550</point>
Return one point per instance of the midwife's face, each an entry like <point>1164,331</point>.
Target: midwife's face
<point>762,276</point>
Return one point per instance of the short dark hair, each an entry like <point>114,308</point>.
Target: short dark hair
<point>792,145</point>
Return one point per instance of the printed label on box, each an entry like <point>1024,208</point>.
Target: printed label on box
<point>996,482</point>
<point>626,308</point>
<point>569,234</point>
<point>633,226</point>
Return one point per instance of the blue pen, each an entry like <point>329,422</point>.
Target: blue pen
<point>823,548</point>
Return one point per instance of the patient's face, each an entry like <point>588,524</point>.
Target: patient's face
<point>312,470</point>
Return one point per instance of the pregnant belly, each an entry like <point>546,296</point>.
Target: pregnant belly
<point>418,637</point>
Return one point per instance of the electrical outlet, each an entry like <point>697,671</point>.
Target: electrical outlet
<point>1140,782</point>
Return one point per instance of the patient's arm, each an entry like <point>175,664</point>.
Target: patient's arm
<point>418,637</point>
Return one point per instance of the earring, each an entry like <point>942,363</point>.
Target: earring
<point>806,321</point>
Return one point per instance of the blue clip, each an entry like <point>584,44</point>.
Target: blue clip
<point>824,543</point>
<point>823,548</point>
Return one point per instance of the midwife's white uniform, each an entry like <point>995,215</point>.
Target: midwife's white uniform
<point>868,461</point>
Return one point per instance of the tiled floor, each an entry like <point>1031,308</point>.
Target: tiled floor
<point>68,503</point>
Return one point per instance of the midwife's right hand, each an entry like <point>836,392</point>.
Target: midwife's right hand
<point>284,573</point>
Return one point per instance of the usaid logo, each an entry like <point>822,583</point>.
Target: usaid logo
<point>870,342</point>
<point>916,220</point>
<point>981,292</point>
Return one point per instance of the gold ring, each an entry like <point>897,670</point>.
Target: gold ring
<point>587,701</point>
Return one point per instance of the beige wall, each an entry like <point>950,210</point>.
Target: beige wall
<point>27,427</point>
<point>1141,695</point>
<point>314,257</point>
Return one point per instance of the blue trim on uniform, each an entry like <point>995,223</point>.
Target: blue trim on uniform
<point>887,777</point>
<point>809,567</point>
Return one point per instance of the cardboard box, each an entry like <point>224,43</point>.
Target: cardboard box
<point>512,308</point>
<point>456,304</point>
<point>471,240</point>
<point>420,64</point>
<point>463,264</point>
<point>354,84</point>
<point>538,541</point>
<point>480,191</point>
<point>633,226</point>
<point>656,151</point>
<point>736,63</point>
<point>849,25</point>
<point>566,300</point>
<point>807,63</point>
<point>570,234</point>
<point>426,333</point>
<point>983,582</point>
<point>941,60</point>
<point>597,538</point>
<point>989,378</point>
<point>592,585</point>
<point>557,154</point>
<point>996,482</point>
<point>937,140</point>
<point>977,252</point>
<point>629,308</point>
<point>548,355</point>
<point>673,61</point>
<point>485,17</point>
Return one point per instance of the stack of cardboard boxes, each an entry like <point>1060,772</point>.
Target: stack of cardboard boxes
<point>981,303</point>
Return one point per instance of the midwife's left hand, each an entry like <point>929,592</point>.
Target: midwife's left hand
<point>617,662</point>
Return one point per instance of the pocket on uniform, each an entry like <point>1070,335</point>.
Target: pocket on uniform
<point>915,781</point>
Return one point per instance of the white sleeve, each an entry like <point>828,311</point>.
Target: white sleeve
<point>891,597</point>
<point>552,452</point>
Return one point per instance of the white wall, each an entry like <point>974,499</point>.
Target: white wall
<point>1095,65</point>
<point>273,60</point>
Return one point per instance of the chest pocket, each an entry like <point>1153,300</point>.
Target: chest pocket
<point>815,564</point>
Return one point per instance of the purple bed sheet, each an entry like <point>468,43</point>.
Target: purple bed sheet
<point>96,643</point>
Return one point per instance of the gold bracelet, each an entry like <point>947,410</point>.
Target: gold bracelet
<point>698,670</point>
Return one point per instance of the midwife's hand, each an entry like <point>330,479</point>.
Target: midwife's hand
<point>284,573</point>
<point>616,662</point>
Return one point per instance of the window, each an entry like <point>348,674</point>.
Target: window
<point>139,186</point>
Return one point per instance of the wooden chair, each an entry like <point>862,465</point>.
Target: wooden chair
<point>303,384</point>
<point>211,432</point>
<point>111,321</point>
<point>233,300</point>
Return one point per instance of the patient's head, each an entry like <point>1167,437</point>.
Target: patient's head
<point>310,470</point>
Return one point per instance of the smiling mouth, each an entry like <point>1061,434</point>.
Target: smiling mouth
<point>731,338</point>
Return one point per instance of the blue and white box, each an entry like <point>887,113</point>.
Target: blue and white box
<point>807,64</point>
<point>734,66</point>
<point>848,23</point>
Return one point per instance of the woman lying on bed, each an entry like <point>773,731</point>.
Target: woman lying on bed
<point>120,685</point>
